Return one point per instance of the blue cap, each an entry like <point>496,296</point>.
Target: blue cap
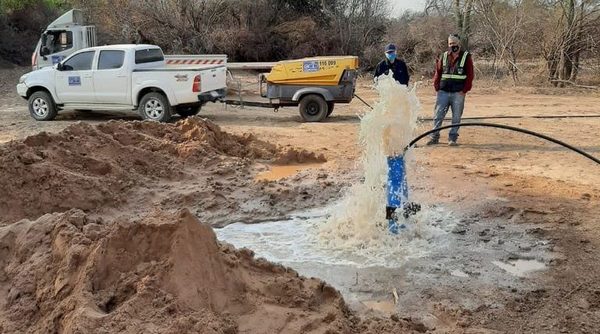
<point>390,47</point>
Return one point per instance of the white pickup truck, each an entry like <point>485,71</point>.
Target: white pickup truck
<point>119,77</point>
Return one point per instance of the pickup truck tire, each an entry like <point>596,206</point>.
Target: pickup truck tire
<point>155,107</point>
<point>41,106</point>
<point>187,111</point>
<point>313,108</point>
<point>330,105</point>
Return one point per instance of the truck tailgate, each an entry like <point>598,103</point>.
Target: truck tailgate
<point>213,79</point>
<point>178,83</point>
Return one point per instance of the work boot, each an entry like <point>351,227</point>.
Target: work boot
<point>452,143</point>
<point>433,142</point>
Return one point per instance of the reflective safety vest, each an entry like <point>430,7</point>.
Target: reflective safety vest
<point>453,79</point>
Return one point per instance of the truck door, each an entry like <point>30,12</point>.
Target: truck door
<point>111,80</point>
<point>74,80</point>
<point>54,46</point>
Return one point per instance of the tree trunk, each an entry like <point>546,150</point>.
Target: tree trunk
<point>512,66</point>
<point>462,15</point>
<point>569,42</point>
<point>466,29</point>
<point>458,15</point>
<point>577,43</point>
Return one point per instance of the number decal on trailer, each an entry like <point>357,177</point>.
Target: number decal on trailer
<point>328,62</point>
<point>75,81</point>
<point>311,66</point>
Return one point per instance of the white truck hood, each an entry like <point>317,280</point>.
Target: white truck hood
<point>33,75</point>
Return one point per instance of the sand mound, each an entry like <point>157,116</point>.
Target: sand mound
<point>89,167</point>
<point>295,156</point>
<point>165,273</point>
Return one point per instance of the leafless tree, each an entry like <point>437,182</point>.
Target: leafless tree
<point>576,19</point>
<point>503,25</point>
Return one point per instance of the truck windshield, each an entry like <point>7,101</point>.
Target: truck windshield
<point>148,56</point>
<point>54,41</point>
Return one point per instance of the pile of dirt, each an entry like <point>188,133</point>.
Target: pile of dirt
<point>93,167</point>
<point>292,155</point>
<point>164,273</point>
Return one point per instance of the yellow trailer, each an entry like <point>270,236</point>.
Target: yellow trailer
<point>320,71</point>
<point>314,84</point>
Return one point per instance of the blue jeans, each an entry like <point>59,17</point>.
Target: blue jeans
<point>446,100</point>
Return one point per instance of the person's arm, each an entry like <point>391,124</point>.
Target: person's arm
<point>470,75</point>
<point>377,71</point>
<point>404,76</point>
<point>437,77</point>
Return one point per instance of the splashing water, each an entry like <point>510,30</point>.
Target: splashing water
<point>354,232</point>
<point>296,242</point>
<point>359,219</point>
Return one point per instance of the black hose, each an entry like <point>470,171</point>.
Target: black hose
<point>506,127</point>
<point>519,117</point>
<point>363,101</point>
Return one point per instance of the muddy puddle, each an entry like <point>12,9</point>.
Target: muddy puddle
<point>521,268</point>
<point>429,255</point>
<point>278,172</point>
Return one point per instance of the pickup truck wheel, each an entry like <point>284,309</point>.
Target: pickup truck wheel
<point>330,105</point>
<point>187,111</point>
<point>155,107</point>
<point>41,106</point>
<point>313,108</point>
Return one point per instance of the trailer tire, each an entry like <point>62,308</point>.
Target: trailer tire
<point>187,111</point>
<point>330,106</point>
<point>41,106</point>
<point>313,108</point>
<point>155,106</point>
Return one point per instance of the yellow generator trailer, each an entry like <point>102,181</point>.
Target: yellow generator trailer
<point>313,84</point>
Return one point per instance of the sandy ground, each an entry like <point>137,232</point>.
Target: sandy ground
<point>511,198</point>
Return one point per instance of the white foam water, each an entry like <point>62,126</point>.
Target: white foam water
<point>297,242</point>
<point>354,232</point>
<point>358,221</point>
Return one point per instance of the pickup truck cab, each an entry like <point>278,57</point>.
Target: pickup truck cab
<point>119,77</point>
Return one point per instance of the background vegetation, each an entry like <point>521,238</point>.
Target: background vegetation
<point>537,41</point>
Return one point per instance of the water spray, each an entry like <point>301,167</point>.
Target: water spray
<point>397,189</point>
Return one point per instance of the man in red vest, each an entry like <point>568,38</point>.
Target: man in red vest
<point>453,79</point>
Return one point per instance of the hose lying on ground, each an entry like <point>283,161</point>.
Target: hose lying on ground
<point>506,127</point>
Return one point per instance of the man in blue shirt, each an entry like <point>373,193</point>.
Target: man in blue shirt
<point>391,62</point>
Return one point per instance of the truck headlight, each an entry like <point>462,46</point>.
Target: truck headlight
<point>22,79</point>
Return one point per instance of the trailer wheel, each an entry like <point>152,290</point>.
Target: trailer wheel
<point>155,107</point>
<point>330,106</point>
<point>313,108</point>
<point>41,106</point>
<point>187,111</point>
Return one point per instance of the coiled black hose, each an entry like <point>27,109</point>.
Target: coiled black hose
<point>506,127</point>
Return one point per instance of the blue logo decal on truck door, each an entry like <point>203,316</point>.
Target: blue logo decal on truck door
<point>57,59</point>
<point>311,66</point>
<point>75,81</point>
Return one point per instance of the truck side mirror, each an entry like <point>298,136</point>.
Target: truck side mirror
<point>58,66</point>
